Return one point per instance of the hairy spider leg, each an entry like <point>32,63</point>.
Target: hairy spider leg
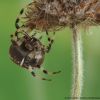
<point>17,33</point>
<point>50,41</point>
<point>34,75</point>
<point>13,39</point>
<point>21,12</point>
<point>16,36</point>
<point>48,72</point>
<point>35,35</point>
<point>18,19</point>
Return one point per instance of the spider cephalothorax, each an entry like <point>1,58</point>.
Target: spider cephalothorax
<point>28,52</point>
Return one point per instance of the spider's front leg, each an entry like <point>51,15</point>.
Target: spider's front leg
<point>50,41</point>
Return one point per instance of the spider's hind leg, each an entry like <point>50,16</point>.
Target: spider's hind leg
<point>48,72</point>
<point>34,75</point>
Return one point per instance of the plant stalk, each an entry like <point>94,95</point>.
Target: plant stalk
<point>77,64</point>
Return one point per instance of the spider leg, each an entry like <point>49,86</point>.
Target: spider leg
<point>18,19</point>
<point>48,72</point>
<point>20,30</point>
<point>16,34</point>
<point>34,34</point>
<point>16,23</point>
<point>13,39</point>
<point>21,12</point>
<point>50,41</point>
<point>34,75</point>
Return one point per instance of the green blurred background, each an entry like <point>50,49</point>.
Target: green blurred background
<point>18,84</point>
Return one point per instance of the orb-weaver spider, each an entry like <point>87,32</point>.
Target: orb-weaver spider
<point>29,53</point>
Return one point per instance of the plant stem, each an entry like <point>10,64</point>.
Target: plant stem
<point>77,64</point>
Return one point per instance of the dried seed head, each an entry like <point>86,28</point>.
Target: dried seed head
<point>53,15</point>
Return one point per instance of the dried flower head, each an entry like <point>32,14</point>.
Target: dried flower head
<point>52,15</point>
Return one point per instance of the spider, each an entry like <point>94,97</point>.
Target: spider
<point>29,53</point>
